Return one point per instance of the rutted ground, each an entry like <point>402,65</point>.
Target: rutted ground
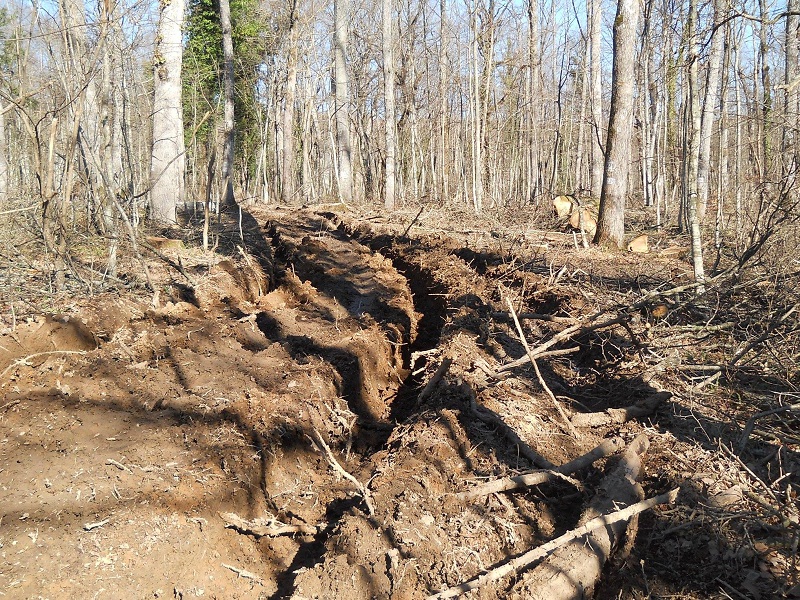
<point>129,426</point>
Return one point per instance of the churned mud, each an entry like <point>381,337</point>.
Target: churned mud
<point>266,425</point>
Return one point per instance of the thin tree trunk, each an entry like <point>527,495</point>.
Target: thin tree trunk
<point>388,83</point>
<point>228,125</point>
<point>693,117</point>
<point>595,16</point>
<point>4,148</point>
<point>287,168</point>
<point>709,110</point>
<point>341,10</point>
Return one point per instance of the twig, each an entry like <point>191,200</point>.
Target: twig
<point>606,448</point>
<point>532,556</point>
<point>556,403</point>
<point>751,423</point>
<point>325,449</point>
<point>119,465</point>
<point>90,526</point>
<point>268,527</point>
<point>244,573</point>
<point>437,377</point>
<point>414,220</point>
<point>568,333</point>
<point>491,418</point>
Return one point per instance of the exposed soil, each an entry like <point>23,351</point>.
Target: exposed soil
<point>131,421</point>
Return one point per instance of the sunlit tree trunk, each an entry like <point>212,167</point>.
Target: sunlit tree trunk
<point>228,125</point>
<point>692,145</point>
<point>709,110</point>
<point>3,156</point>
<point>388,95</point>
<point>341,9</point>
<point>167,164</point>
<point>792,91</point>
<point>611,222</point>
<point>288,162</point>
<point>595,16</point>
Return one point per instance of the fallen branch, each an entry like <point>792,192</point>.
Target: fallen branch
<point>268,527</point>
<point>568,333</point>
<point>606,448</point>
<point>325,449</point>
<point>542,382</point>
<point>751,423</point>
<point>640,409</point>
<point>437,377</point>
<point>532,556</point>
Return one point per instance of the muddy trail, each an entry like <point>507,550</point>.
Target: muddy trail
<point>311,412</point>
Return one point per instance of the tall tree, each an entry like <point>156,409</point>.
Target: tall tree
<point>287,165</point>
<point>611,222</point>
<point>389,104</point>
<point>341,10</point>
<point>596,93</point>
<point>167,164</point>
<point>228,125</point>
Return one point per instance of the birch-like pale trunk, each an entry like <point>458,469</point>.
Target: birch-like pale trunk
<point>341,11</point>
<point>288,162</point>
<point>444,106</point>
<point>611,222</point>
<point>595,16</point>
<point>167,162</point>
<point>692,145</point>
<point>532,114</point>
<point>709,109</point>
<point>228,125</point>
<point>4,148</point>
<point>389,104</point>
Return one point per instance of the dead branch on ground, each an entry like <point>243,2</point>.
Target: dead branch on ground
<point>542,382</point>
<point>642,408</point>
<point>532,556</point>
<point>320,444</point>
<point>268,527</point>
<point>606,448</point>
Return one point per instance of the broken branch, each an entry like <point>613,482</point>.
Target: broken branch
<point>532,556</point>
<point>606,448</point>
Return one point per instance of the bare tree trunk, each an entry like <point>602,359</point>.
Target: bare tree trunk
<point>532,114</point>
<point>341,10</point>
<point>611,223</point>
<point>287,169</point>
<point>444,106</point>
<point>791,154</point>
<point>388,84</point>
<point>228,125</point>
<point>167,164</point>
<point>594,7</point>
<point>709,109</point>
<point>766,89</point>
<point>4,148</point>
<point>693,117</point>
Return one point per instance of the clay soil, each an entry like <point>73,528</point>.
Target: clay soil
<point>135,423</point>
